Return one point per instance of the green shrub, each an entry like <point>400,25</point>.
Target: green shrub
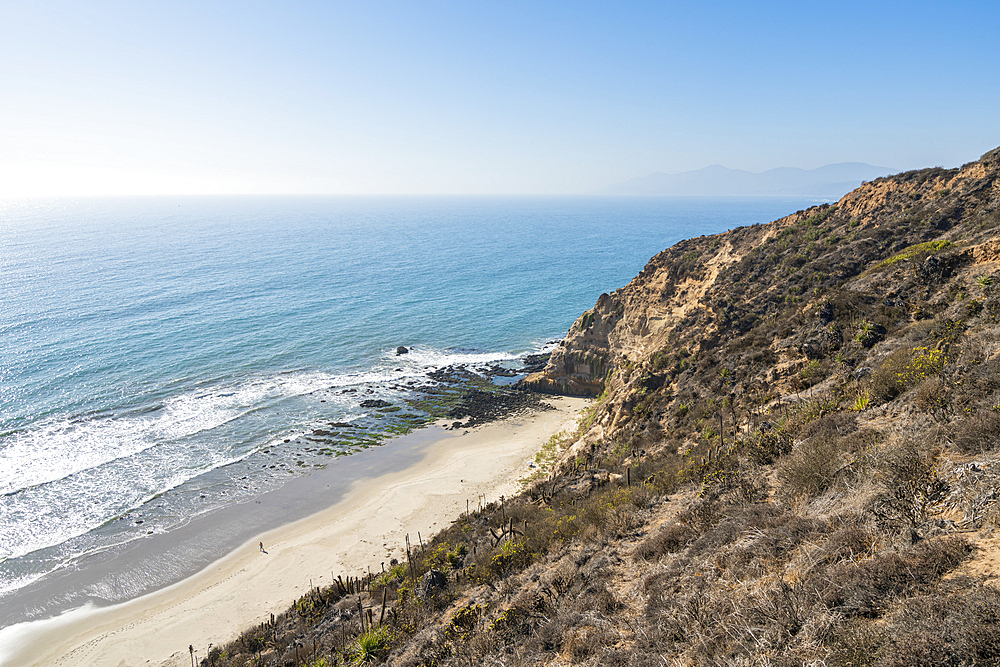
<point>917,251</point>
<point>509,557</point>
<point>370,647</point>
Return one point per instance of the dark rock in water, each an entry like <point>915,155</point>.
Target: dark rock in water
<point>402,350</point>
<point>375,403</point>
<point>499,371</point>
<point>533,363</point>
<point>431,582</point>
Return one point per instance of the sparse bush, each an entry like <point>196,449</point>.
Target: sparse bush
<point>764,447</point>
<point>616,511</point>
<point>856,644</point>
<point>931,396</point>
<point>944,630</point>
<point>978,433</point>
<point>867,588</point>
<point>911,487</point>
<point>849,542</point>
<point>666,540</point>
<point>811,468</point>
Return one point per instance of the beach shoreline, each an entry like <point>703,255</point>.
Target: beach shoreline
<point>364,528</point>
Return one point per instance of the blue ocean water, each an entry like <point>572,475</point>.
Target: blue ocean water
<point>155,352</point>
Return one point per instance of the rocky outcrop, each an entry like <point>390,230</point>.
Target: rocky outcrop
<point>625,326</point>
<point>579,365</point>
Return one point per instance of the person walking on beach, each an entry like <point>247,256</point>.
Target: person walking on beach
<point>262,548</point>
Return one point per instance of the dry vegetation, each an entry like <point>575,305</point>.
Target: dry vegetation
<point>800,472</point>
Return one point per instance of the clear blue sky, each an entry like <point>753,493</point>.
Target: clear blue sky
<point>134,97</point>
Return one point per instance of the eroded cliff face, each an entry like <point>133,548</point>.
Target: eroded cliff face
<point>696,307</point>
<point>623,327</point>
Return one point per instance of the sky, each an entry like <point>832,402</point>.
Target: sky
<point>480,97</point>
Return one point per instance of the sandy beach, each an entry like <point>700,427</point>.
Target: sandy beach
<point>367,527</point>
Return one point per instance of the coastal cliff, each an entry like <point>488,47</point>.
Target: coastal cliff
<point>792,458</point>
<point>768,309</point>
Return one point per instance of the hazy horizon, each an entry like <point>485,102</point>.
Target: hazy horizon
<point>349,98</point>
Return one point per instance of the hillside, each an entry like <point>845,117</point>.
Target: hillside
<point>792,458</point>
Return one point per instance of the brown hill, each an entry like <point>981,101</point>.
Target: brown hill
<point>792,459</point>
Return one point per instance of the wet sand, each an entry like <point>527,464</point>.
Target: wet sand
<point>366,525</point>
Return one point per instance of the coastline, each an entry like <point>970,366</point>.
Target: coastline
<point>367,526</point>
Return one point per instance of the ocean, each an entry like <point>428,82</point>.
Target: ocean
<point>163,359</point>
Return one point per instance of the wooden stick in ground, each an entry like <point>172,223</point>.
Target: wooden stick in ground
<point>722,430</point>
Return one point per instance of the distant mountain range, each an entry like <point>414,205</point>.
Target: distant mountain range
<point>833,180</point>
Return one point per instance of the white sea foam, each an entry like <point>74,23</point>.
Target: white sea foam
<point>65,447</point>
<point>66,478</point>
<point>442,358</point>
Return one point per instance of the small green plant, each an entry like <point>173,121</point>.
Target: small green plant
<point>566,528</point>
<point>546,457</point>
<point>370,647</point>
<point>862,402</point>
<point>868,333</point>
<point>457,557</point>
<point>984,281</point>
